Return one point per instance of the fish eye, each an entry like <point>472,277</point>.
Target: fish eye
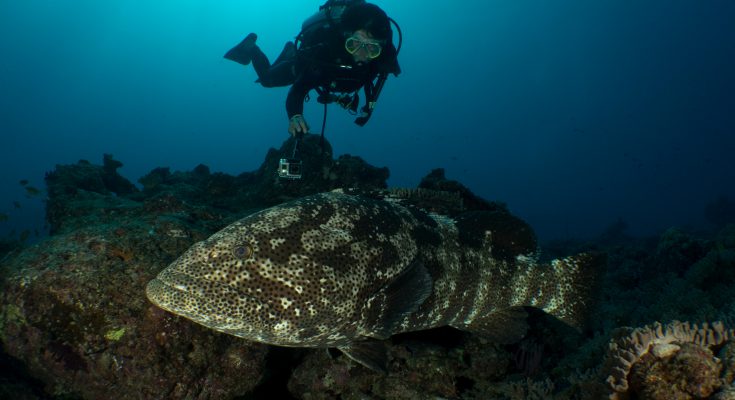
<point>243,251</point>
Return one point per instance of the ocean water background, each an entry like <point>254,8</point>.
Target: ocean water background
<point>574,113</point>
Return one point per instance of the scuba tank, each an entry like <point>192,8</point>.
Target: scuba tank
<point>329,13</point>
<point>328,16</point>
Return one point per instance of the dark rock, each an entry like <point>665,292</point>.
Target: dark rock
<point>436,180</point>
<point>512,236</point>
<point>81,194</point>
<point>262,187</point>
<point>74,190</point>
<point>154,179</point>
<point>73,309</point>
<point>320,172</point>
<point>677,251</point>
<point>353,172</point>
<point>74,312</point>
<point>9,244</point>
<point>418,369</point>
<point>114,181</point>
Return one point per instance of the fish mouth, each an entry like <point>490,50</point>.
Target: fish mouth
<point>173,298</point>
<point>200,301</point>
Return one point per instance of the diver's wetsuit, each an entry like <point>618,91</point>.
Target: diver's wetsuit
<point>321,62</point>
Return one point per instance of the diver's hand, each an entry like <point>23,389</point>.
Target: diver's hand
<point>297,124</point>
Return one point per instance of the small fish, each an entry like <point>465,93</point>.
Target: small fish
<point>4,217</point>
<point>32,191</point>
<point>24,235</point>
<point>23,182</point>
<point>346,271</point>
<point>16,204</point>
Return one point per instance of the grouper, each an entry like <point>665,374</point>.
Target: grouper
<point>348,271</point>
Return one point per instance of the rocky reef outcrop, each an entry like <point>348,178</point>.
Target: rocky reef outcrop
<point>74,313</point>
<point>75,323</point>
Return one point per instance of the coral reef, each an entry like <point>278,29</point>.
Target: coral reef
<point>75,323</point>
<point>436,180</point>
<point>73,312</point>
<point>83,180</point>
<point>320,173</point>
<point>80,194</point>
<point>420,368</point>
<point>676,252</point>
<point>672,361</point>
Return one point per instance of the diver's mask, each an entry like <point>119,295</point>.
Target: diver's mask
<point>354,43</point>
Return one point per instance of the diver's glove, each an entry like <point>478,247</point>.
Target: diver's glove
<point>365,114</point>
<point>297,124</point>
<point>349,102</point>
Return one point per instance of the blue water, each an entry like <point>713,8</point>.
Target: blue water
<point>574,113</point>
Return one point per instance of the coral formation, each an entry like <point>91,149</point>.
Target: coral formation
<point>73,307</point>
<point>73,312</point>
<point>671,361</point>
<point>676,372</point>
<point>74,321</point>
<point>418,369</point>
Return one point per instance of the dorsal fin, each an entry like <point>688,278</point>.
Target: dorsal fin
<point>437,201</point>
<point>449,203</point>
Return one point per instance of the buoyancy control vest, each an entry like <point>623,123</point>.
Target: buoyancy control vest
<point>329,17</point>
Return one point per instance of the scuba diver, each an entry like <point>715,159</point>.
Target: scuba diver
<point>346,46</point>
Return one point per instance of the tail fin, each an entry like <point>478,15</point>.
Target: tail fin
<point>287,54</point>
<point>566,289</point>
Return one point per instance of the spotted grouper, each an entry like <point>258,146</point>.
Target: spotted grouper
<point>348,271</point>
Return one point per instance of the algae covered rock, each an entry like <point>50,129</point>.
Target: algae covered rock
<point>74,312</point>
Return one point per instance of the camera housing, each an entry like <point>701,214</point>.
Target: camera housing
<point>290,168</point>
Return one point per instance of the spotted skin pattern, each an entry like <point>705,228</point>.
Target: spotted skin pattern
<point>318,272</point>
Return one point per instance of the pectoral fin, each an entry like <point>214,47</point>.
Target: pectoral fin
<point>387,308</point>
<point>373,354</point>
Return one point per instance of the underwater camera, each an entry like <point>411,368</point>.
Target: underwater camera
<point>289,168</point>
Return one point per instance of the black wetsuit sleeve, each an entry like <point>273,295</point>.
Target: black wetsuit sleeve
<point>369,91</point>
<point>295,98</point>
<point>317,49</point>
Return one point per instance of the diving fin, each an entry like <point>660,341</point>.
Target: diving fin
<point>243,52</point>
<point>288,53</point>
